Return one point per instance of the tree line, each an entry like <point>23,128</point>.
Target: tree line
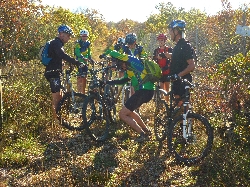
<point>26,25</point>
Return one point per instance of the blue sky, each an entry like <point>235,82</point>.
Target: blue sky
<point>140,10</point>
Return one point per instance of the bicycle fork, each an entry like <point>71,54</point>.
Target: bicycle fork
<point>186,122</point>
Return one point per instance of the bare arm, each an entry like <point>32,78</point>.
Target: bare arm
<point>189,68</point>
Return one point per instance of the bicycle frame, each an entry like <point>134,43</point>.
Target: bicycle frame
<point>126,86</point>
<point>67,86</point>
<point>187,109</point>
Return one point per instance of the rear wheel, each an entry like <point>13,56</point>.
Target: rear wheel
<point>109,94</point>
<point>95,118</point>
<point>69,111</point>
<point>161,120</point>
<point>199,139</point>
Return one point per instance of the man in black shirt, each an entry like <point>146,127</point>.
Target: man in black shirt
<point>54,69</point>
<point>182,59</point>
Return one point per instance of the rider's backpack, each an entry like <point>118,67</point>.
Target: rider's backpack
<point>153,71</point>
<point>43,54</point>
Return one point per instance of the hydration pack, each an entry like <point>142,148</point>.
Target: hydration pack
<point>43,54</point>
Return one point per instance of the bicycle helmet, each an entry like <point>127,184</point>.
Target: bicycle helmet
<point>161,37</point>
<point>65,29</point>
<point>130,38</point>
<point>84,32</point>
<point>120,40</point>
<point>179,24</point>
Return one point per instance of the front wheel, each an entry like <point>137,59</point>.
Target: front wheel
<point>161,119</point>
<point>96,118</point>
<point>69,110</point>
<point>198,143</point>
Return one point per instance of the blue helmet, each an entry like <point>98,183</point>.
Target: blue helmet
<point>66,29</point>
<point>179,24</point>
<point>130,38</point>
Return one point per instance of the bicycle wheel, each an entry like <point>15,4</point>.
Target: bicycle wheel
<point>109,93</point>
<point>161,119</point>
<point>95,118</point>
<point>69,111</point>
<point>199,139</point>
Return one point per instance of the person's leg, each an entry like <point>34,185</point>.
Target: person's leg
<point>127,116</point>
<point>166,87</point>
<point>79,84</point>
<point>56,97</point>
<point>139,121</point>
<point>82,79</point>
<point>132,118</point>
<point>178,89</point>
<point>55,86</point>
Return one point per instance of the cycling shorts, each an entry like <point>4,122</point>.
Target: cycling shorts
<point>82,72</point>
<point>138,98</point>
<point>179,86</point>
<point>164,78</point>
<point>55,85</point>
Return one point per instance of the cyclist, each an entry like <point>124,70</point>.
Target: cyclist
<point>53,70</point>
<point>83,54</point>
<point>143,94</point>
<point>160,57</point>
<point>182,57</point>
<point>118,47</point>
<point>132,48</point>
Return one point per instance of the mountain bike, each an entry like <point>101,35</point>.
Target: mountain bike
<point>99,107</point>
<point>189,135</point>
<point>69,109</point>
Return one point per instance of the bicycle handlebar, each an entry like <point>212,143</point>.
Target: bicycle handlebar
<point>176,77</point>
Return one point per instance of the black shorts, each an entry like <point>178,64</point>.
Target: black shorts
<point>138,98</point>
<point>54,80</point>
<point>179,87</point>
<point>55,84</point>
<point>164,78</point>
<point>82,72</point>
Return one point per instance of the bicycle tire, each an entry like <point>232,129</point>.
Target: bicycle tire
<point>197,146</point>
<point>95,118</point>
<point>161,119</point>
<point>69,112</point>
<point>109,93</point>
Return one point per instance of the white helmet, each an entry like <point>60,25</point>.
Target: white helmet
<point>84,32</point>
<point>121,40</point>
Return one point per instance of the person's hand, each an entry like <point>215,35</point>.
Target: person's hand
<point>162,55</point>
<point>102,56</point>
<point>159,57</point>
<point>81,65</point>
<point>176,77</point>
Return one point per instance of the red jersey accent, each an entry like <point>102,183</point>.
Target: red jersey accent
<point>164,61</point>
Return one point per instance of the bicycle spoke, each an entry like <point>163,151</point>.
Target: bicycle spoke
<point>95,118</point>
<point>161,120</point>
<point>69,111</point>
<point>199,139</point>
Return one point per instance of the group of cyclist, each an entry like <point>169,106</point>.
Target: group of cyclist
<point>177,60</point>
